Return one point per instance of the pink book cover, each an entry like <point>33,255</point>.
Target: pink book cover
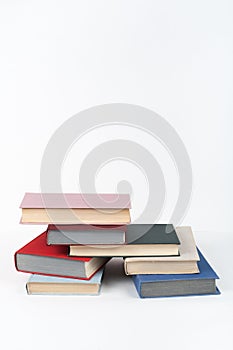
<point>75,200</point>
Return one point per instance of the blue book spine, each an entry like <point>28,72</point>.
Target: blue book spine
<point>137,284</point>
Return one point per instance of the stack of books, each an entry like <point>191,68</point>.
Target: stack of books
<point>86,219</point>
<point>185,273</point>
<point>163,260</point>
<point>86,230</point>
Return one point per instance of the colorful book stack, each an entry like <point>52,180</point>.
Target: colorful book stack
<point>69,257</point>
<point>72,218</point>
<point>163,261</point>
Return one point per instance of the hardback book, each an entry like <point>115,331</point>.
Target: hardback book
<point>85,234</point>
<point>185,262</point>
<point>75,208</point>
<point>151,286</point>
<point>37,257</point>
<point>46,285</point>
<point>141,240</point>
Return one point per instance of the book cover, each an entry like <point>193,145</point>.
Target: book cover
<point>156,285</point>
<point>37,257</point>
<point>86,234</point>
<point>75,200</point>
<point>151,234</point>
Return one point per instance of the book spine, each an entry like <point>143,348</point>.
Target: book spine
<point>137,284</point>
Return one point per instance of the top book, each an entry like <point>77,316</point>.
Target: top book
<point>75,208</point>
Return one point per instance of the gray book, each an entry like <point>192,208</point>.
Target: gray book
<point>85,234</point>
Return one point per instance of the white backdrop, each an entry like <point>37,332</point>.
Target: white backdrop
<point>60,57</point>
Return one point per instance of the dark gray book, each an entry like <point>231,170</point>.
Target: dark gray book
<point>141,240</point>
<point>85,234</point>
<point>151,286</point>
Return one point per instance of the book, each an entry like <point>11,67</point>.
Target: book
<point>75,208</point>
<point>37,257</point>
<point>185,262</point>
<point>45,285</point>
<point>141,240</point>
<point>151,286</point>
<point>85,234</point>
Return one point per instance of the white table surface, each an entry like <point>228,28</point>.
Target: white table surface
<point>117,318</point>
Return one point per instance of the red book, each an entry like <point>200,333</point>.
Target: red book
<point>53,260</point>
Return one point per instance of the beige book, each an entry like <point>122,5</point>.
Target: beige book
<point>62,288</point>
<point>184,263</point>
<point>124,250</point>
<point>75,216</point>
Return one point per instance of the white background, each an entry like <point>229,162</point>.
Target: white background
<point>174,57</point>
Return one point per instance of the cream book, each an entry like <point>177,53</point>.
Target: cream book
<point>184,263</point>
<point>75,208</point>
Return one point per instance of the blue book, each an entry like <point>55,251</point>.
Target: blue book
<point>45,285</point>
<point>152,286</point>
